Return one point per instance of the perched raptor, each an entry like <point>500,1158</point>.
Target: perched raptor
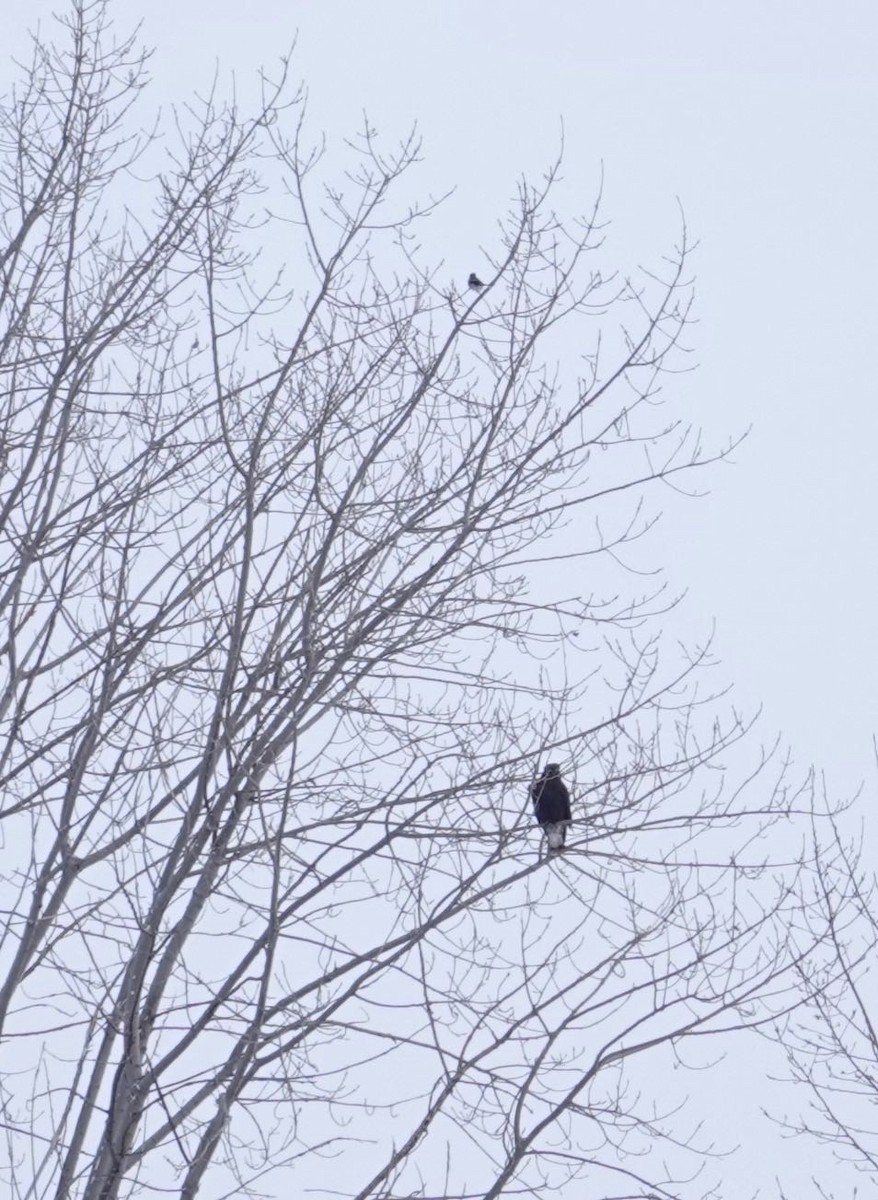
<point>552,805</point>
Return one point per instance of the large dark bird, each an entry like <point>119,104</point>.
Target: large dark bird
<point>552,806</point>
<point>474,281</point>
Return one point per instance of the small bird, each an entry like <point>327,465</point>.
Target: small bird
<point>474,282</point>
<point>552,806</point>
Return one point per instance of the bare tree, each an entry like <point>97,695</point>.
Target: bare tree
<point>831,1040</point>
<point>310,556</point>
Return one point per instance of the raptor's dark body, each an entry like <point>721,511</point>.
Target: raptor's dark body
<point>551,801</point>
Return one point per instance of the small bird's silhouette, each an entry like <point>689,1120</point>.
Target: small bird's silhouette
<point>551,802</point>
<point>474,281</point>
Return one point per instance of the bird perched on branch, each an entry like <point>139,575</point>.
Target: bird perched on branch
<point>552,805</point>
<point>474,281</point>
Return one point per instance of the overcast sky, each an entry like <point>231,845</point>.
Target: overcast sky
<point>761,117</point>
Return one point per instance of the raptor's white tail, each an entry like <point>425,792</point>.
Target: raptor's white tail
<point>555,834</point>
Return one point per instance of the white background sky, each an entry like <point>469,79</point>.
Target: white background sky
<point>761,117</point>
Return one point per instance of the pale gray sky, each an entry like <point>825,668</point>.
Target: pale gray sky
<point>761,117</point>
